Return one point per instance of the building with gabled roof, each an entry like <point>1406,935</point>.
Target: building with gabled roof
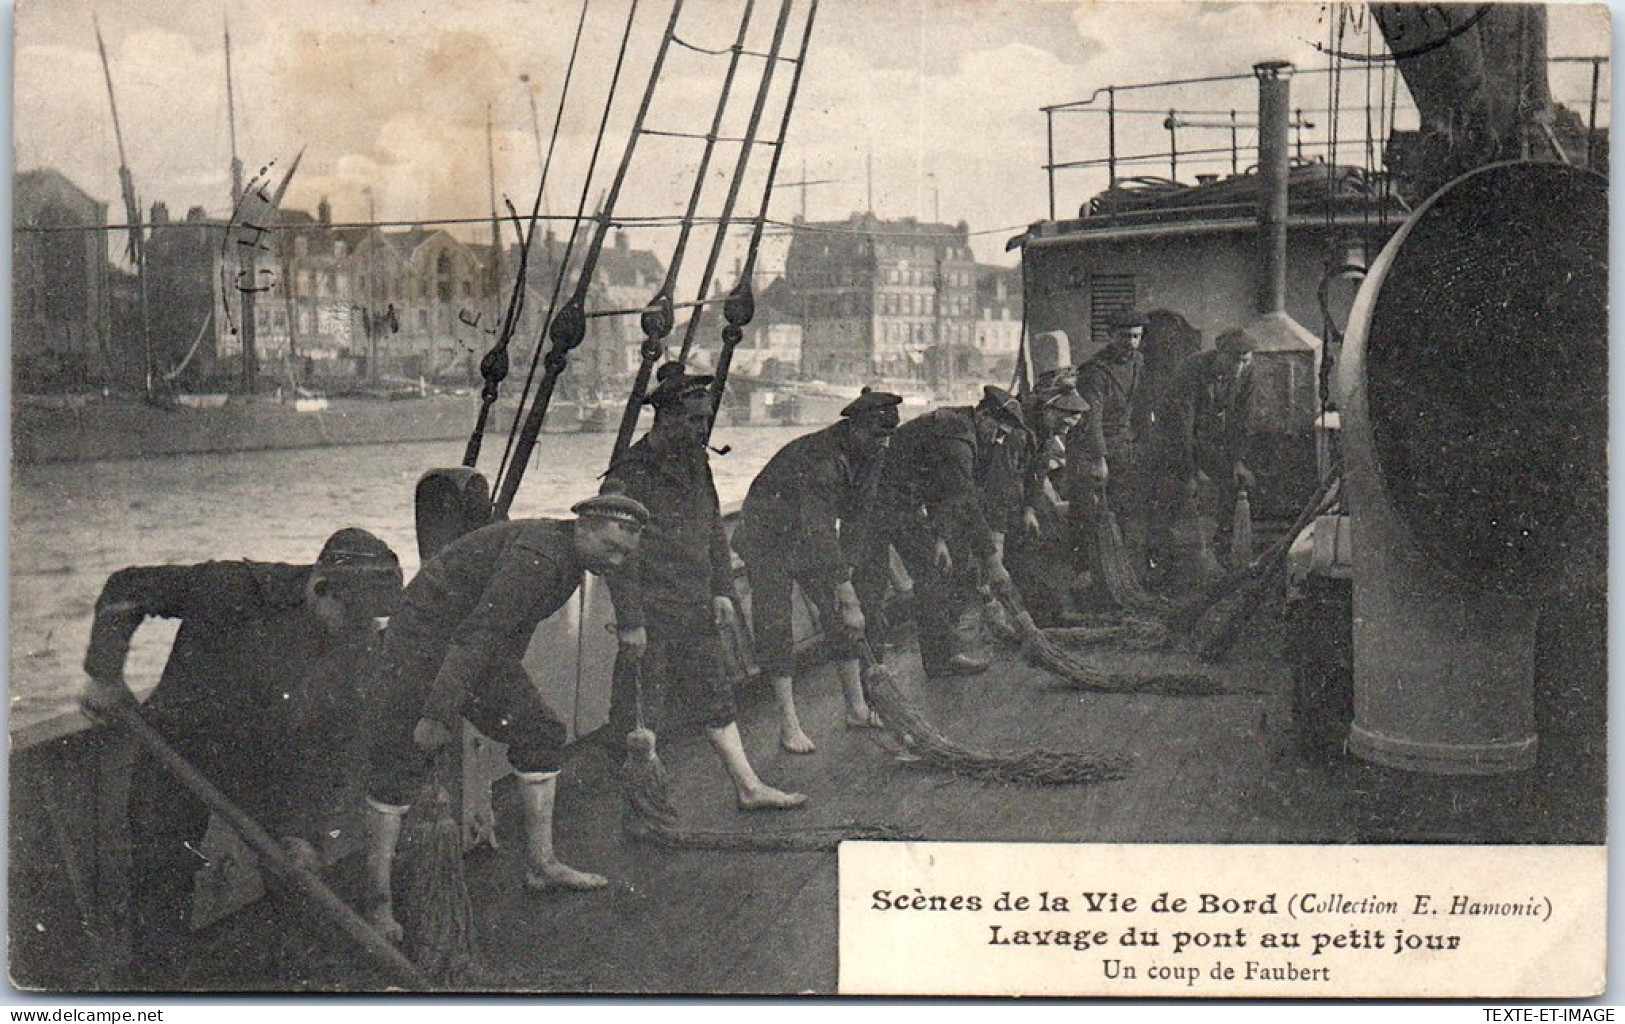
<point>61,335</point>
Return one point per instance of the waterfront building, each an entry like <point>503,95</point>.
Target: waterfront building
<point>60,279</point>
<point>891,299</point>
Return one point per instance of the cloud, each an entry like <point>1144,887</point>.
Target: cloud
<point>935,37</point>
<point>945,95</point>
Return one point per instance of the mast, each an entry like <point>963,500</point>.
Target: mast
<point>494,271</point>
<point>136,249</point>
<point>248,328</point>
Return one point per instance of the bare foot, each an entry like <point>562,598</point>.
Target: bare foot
<point>766,798</point>
<point>381,916</point>
<point>791,738</point>
<point>863,718</point>
<point>559,875</point>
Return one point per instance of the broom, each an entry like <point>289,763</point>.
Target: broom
<point>1123,629</point>
<point>651,816</point>
<point>1044,652</point>
<point>1187,615</point>
<point>321,898</point>
<point>1027,766</point>
<point>1116,568</point>
<point>1041,649</point>
<point>437,917</point>
<point>1241,530</point>
<point>1140,631</point>
<point>1218,630</point>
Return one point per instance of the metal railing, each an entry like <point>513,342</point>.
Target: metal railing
<point>1327,130</point>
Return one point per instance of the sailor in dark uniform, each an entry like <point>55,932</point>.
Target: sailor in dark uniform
<point>679,592</point>
<point>1040,550</point>
<point>453,653</point>
<point>261,693</point>
<point>799,526</point>
<point>949,482</point>
<point>1108,471</point>
<point>1209,403</point>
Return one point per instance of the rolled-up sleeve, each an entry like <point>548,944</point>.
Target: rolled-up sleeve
<point>133,595</point>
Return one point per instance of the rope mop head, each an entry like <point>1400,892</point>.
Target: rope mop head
<point>437,917</point>
<point>1026,766</point>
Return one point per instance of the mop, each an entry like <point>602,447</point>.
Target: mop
<point>922,739</point>
<point>437,917</point>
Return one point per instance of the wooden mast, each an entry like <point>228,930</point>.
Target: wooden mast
<point>136,249</point>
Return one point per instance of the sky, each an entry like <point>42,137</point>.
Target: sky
<point>927,108</point>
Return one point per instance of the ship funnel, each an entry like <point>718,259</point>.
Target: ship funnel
<point>1274,166</point>
<point>1474,385</point>
<point>1286,361</point>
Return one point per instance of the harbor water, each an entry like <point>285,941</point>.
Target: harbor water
<point>72,524</point>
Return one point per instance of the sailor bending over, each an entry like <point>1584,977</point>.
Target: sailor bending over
<point>260,693</point>
<point>799,526</point>
<point>453,653</point>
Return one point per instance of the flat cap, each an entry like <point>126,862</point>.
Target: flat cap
<point>612,504</point>
<point>1126,318</point>
<point>677,384</point>
<point>1003,404</point>
<point>362,570</point>
<point>1236,342</point>
<point>876,405</point>
<point>1060,376</point>
<point>1065,400</point>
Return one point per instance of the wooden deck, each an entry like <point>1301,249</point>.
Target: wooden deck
<point>1218,769</point>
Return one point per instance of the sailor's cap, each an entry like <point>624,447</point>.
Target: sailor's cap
<point>1064,400</point>
<point>612,504</point>
<point>1236,342</point>
<point>676,385</point>
<point>1002,404</point>
<point>362,571</point>
<point>1055,377</point>
<point>875,406</point>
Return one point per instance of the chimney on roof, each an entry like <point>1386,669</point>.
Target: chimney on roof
<point>324,212</point>
<point>160,213</point>
<point>623,244</point>
<point>195,215</point>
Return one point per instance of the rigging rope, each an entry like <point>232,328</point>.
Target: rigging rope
<point>658,317</point>
<point>494,367</point>
<point>721,237</point>
<point>567,328</point>
<point>741,305</point>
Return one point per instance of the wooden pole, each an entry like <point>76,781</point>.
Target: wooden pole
<point>270,851</point>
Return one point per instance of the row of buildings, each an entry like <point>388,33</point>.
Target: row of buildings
<point>305,302</point>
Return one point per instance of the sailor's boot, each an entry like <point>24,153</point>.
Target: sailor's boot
<point>383,835</point>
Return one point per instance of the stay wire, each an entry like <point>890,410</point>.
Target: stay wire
<point>721,237</point>
<point>742,290</point>
<point>506,466</point>
<point>657,319</point>
<point>566,327</point>
<point>516,299</point>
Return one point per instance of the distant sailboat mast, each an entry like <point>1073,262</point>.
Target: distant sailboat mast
<point>246,329</point>
<point>136,249</point>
